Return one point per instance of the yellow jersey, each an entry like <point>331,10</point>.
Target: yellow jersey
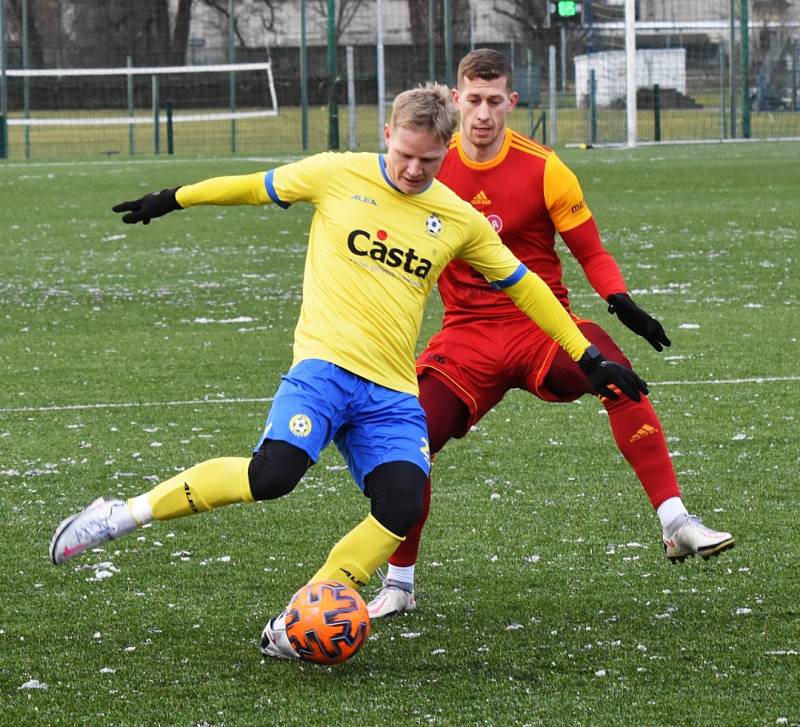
<point>374,255</point>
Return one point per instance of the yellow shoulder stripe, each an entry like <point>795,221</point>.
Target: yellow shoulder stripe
<point>523,143</point>
<point>541,153</point>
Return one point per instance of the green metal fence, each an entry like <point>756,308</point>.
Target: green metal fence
<point>714,70</point>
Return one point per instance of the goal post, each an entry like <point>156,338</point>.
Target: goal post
<point>121,109</point>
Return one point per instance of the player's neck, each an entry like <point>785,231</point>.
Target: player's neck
<point>482,154</point>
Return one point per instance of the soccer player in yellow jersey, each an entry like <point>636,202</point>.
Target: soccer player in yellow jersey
<point>383,231</point>
<point>487,346</point>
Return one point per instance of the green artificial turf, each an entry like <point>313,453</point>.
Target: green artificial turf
<point>129,353</point>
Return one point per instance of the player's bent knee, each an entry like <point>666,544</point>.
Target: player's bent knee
<point>447,414</point>
<point>564,378</point>
<point>276,469</point>
<point>396,492</point>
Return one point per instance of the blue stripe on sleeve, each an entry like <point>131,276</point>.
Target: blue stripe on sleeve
<point>270,187</point>
<point>515,277</point>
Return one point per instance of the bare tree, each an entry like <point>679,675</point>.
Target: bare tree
<point>529,21</point>
<point>346,11</point>
<point>43,29</point>
<point>180,33</point>
<point>101,32</point>
<point>107,32</point>
<point>266,11</point>
<point>419,12</point>
<point>528,16</point>
<point>112,30</point>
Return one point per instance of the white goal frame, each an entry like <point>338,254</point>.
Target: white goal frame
<point>154,72</point>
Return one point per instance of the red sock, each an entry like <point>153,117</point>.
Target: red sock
<point>407,551</point>
<point>641,440</point>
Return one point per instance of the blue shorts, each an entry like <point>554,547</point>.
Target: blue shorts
<point>319,402</point>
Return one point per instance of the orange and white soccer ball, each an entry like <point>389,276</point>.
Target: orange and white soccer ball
<point>327,622</point>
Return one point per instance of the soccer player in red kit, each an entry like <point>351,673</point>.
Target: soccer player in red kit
<point>487,347</point>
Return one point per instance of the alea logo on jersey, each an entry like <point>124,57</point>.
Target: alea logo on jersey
<point>361,243</point>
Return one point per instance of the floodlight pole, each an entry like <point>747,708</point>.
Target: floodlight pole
<point>232,76</point>
<point>333,106</point>
<point>352,124</point>
<point>381,75</point>
<point>3,84</point>
<point>26,82</point>
<point>303,76</point>
<point>744,29</point>
<point>630,69</point>
<point>447,21</point>
<point>732,68</point>
<point>131,113</point>
<point>431,42</point>
<point>552,94</point>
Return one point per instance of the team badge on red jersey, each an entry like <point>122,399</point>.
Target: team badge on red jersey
<point>496,222</point>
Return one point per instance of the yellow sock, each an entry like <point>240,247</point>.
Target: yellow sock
<point>206,486</point>
<point>358,554</point>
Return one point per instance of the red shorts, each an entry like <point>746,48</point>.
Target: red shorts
<point>481,360</point>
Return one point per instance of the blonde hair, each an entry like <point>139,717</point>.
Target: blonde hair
<point>425,108</point>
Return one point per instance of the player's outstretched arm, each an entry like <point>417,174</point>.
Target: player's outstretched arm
<point>144,209</point>
<point>638,320</point>
<point>233,190</point>
<point>603,374</point>
<point>605,277</point>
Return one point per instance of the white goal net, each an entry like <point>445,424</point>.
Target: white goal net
<point>140,110</point>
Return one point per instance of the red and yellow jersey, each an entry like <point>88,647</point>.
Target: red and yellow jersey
<point>528,194</point>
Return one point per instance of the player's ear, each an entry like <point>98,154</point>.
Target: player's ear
<point>513,100</point>
<point>454,95</point>
<point>387,134</point>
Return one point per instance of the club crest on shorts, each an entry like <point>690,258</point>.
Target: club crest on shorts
<point>433,225</point>
<point>300,425</point>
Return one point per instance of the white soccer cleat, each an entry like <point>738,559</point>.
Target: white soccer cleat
<point>393,598</point>
<point>103,520</point>
<point>686,536</point>
<point>274,641</point>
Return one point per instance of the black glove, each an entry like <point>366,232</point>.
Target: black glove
<point>601,373</point>
<point>146,208</point>
<point>640,322</point>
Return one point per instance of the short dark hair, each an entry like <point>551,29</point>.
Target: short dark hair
<point>487,64</point>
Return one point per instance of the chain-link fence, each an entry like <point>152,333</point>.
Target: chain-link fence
<point>82,77</point>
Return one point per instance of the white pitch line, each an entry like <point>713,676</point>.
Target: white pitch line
<point>123,159</point>
<point>267,399</point>
<point>720,382</point>
<point>130,405</point>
